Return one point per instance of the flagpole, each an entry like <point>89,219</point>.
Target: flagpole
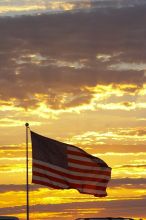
<point>27,177</point>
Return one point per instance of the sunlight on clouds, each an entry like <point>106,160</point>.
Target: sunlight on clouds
<point>33,6</point>
<point>141,119</point>
<point>142,91</point>
<point>99,93</point>
<point>44,111</point>
<point>50,105</point>
<point>130,173</point>
<point>13,168</point>
<point>87,138</point>
<point>14,9</point>
<point>48,215</point>
<point>40,196</point>
<point>37,197</point>
<point>13,198</point>
<point>73,87</point>
<point>13,178</point>
<point>32,58</point>
<point>39,59</point>
<point>123,164</point>
<point>7,122</point>
<point>75,65</point>
<point>127,66</point>
<point>9,176</point>
<point>67,5</point>
<point>59,5</point>
<point>125,106</point>
<point>121,136</point>
<point>68,213</point>
<point>104,91</point>
<point>139,162</point>
<point>121,193</point>
<point>118,90</point>
<point>51,196</point>
<point>103,57</point>
<point>127,87</point>
<point>107,57</point>
<point>9,105</point>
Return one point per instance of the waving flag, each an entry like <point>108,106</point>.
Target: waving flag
<point>63,166</point>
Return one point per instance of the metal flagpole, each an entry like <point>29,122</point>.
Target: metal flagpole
<point>27,178</point>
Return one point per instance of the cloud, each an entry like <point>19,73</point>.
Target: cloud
<point>133,166</point>
<point>113,208</point>
<point>128,182</point>
<point>114,136</point>
<point>78,204</point>
<point>58,55</point>
<point>119,182</point>
<point>16,188</point>
<point>14,8</point>
<point>9,8</point>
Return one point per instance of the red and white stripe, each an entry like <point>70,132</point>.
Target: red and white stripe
<point>82,174</point>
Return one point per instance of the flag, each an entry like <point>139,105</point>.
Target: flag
<point>62,166</point>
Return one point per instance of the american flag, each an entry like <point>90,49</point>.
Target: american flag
<point>62,166</point>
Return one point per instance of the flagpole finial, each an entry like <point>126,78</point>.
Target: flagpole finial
<point>27,125</point>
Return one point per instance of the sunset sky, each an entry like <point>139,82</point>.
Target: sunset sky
<point>75,70</point>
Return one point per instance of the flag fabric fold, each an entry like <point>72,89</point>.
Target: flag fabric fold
<point>62,166</point>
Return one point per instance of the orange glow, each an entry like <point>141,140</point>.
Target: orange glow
<point>76,72</point>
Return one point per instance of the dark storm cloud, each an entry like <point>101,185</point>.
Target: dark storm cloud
<point>74,39</point>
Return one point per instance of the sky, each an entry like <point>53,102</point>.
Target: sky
<point>76,72</point>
